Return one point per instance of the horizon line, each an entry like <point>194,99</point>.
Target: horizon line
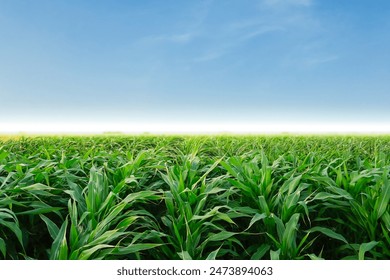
<point>10,128</point>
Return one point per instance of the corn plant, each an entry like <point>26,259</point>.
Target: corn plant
<point>195,197</point>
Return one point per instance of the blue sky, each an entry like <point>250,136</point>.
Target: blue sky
<point>220,61</point>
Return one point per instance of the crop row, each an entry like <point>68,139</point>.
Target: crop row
<point>196,197</point>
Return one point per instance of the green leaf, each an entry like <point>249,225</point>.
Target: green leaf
<point>263,205</point>
<point>52,227</point>
<point>184,255</point>
<point>314,257</point>
<point>330,233</point>
<point>384,198</point>
<point>386,220</point>
<point>289,235</point>
<point>63,250</point>
<point>213,254</point>
<point>40,207</point>
<point>326,196</point>
<point>85,254</point>
<point>133,248</point>
<point>275,254</point>
<point>3,246</point>
<point>256,217</point>
<point>14,227</point>
<point>260,252</point>
<point>221,236</point>
<point>212,167</point>
<point>37,187</point>
<point>58,248</point>
<point>143,196</point>
<point>366,247</point>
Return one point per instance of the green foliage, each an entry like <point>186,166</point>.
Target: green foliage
<point>195,197</point>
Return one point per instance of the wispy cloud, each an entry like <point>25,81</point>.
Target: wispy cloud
<point>200,14</point>
<point>192,27</point>
<point>180,38</point>
<point>314,61</point>
<point>308,60</point>
<point>278,3</point>
<point>262,30</point>
<point>234,35</point>
<point>211,55</point>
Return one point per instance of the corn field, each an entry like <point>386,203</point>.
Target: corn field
<point>195,197</point>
